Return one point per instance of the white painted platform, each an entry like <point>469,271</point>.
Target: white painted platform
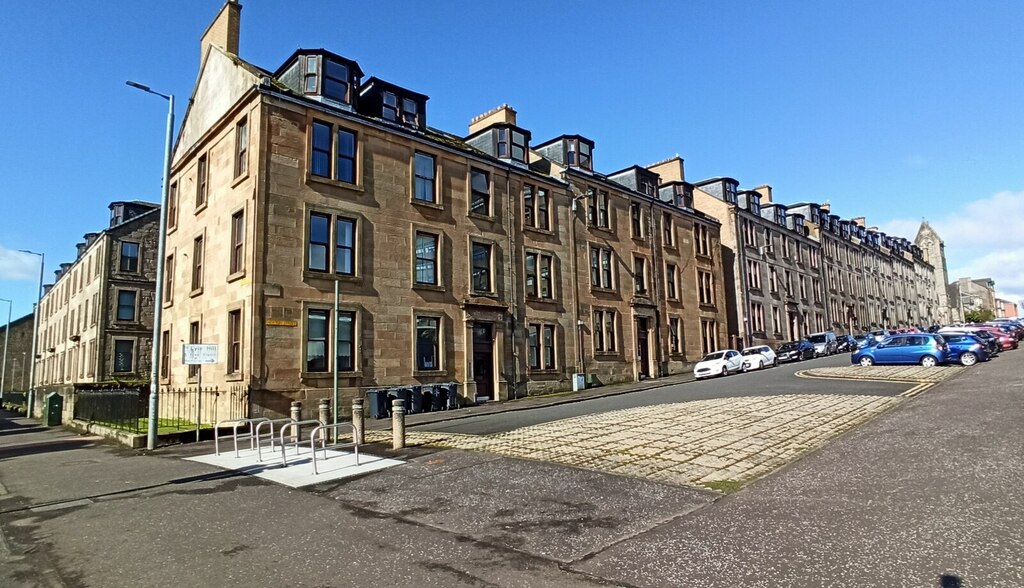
<point>299,472</point>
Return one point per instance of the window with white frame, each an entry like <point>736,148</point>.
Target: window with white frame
<point>675,333</point>
<point>539,283</point>
<point>671,282</point>
<point>541,352</point>
<point>705,287</point>
<point>604,331</point>
<point>482,276</point>
<point>601,268</point>
<point>640,275</point>
<point>597,211</point>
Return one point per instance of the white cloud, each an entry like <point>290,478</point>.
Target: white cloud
<point>982,240</point>
<point>15,265</point>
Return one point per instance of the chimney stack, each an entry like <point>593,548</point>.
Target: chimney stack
<point>766,193</point>
<point>223,31</point>
<point>501,114</point>
<point>670,170</point>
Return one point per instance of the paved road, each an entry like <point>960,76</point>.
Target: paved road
<point>933,487</point>
<point>769,382</point>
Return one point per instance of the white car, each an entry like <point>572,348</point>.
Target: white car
<point>719,363</point>
<point>758,356</point>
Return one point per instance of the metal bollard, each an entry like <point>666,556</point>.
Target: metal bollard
<point>397,423</point>
<point>357,421</point>
<point>296,411</point>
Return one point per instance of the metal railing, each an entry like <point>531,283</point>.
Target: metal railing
<point>297,425</point>
<point>234,424</point>
<point>127,408</point>
<point>324,446</point>
<point>116,408</point>
<point>259,435</point>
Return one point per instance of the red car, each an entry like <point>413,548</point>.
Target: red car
<point>1006,340</point>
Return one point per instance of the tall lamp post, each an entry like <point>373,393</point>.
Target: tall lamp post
<point>158,296</point>
<point>35,335</point>
<point>7,337</point>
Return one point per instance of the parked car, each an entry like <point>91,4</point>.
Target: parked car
<point>922,348</point>
<point>759,356</point>
<point>719,363</point>
<point>991,341</point>
<point>1006,340</point>
<point>881,334</point>
<point>795,351</point>
<point>846,344</point>
<point>825,343</point>
<point>966,349</point>
<point>863,341</point>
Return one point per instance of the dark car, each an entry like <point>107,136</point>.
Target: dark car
<point>795,351</point>
<point>846,343</point>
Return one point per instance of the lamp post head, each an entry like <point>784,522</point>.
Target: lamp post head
<point>147,89</point>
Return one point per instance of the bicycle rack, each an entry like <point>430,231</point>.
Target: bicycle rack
<point>298,426</point>
<point>271,423</point>
<point>322,429</point>
<point>235,423</point>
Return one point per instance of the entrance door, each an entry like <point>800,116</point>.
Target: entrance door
<point>483,359</point>
<point>794,327</point>
<point>642,348</point>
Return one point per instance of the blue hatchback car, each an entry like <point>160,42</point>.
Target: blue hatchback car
<point>927,349</point>
<point>967,349</point>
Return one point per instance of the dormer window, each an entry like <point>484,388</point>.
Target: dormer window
<point>400,110</point>
<point>336,81</point>
<point>310,83</point>
<point>754,203</point>
<point>577,153</point>
<point>646,186</point>
<point>511,143</point>
<point>390,107</point>
<point>683,196</point>
<point>730,192</point>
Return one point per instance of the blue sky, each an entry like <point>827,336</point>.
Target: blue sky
<point>896,111</point>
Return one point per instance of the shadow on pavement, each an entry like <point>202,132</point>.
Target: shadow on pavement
<point>17,429</point>
<point>211,477</point>
<point>43,447</point>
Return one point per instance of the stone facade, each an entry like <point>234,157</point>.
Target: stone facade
<point>457,259</point>
<point>18,351</point>
<point>96,319</point>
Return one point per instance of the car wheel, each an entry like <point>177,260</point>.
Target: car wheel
<point>968,358</point>
<point>725,371</point>
<point>867,361</point>
<point>929,361</point>
<point>775,362</point>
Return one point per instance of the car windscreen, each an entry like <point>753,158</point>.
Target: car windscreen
<point>817,338</point>
<point>752,351</point>
<point>789,346</point>
<point>716,355</point>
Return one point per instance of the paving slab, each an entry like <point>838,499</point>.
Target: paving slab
<point>710,444</point>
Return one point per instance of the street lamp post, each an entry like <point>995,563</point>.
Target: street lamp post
<point>7,337</point>
<point>35,335</point>
<point>154,382</point>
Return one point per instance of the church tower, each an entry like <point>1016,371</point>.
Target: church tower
<point>935,253</point>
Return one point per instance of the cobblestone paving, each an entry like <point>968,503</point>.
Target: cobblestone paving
<point>715,444</point>
<point>898,373</point>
